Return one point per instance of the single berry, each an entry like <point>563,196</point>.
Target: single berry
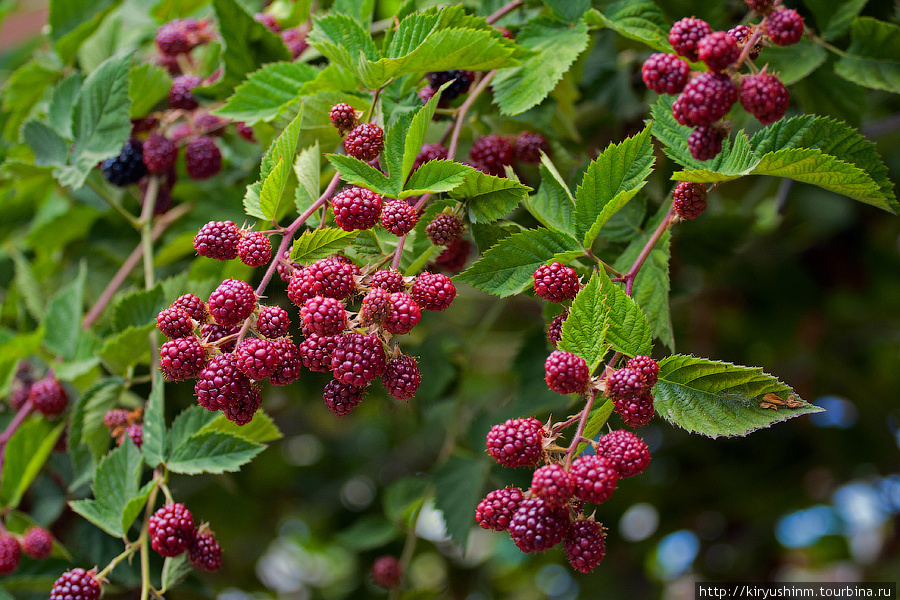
<point>220,382</point>
<point>565,372</point>
<point>760,6</point>
<point>295,40</point>
<point>365,141</point>
<point>387,572</point>
<point>690,201</point>
<point>743,34</point>
<point>291,366</point>
<point>648,367</point>
<point>268,20</point>
<point>444,228</point>
<point>496,510</point>
<point>37,543</point>
<point>705,99</point>
<point>357,359</point>
<point>126,168</point>
<point>433,291</point>
<point>254,249</point>
<point>240,410</point>
<point>426,94</point>
<point>627,452</point>
<point>553,484</point>
<point>764,97</point>
<point>625,383</point>
<point>343,117</point>
<point>224,338</point>
<point>48,397</point>
<point>10,554</point>
<point>257,358</point>
<point>182,358</point>
<point>171,529</point>
<point>159,153</point>
<point>784,27</point>
<point>516,442</point>
<point>136,433</point>
<point>342,398</point>
<point>286,266</point>
<point>315,352</point>
<point>719,50</point>
<point>323,316</point>
<point>537,526</point>
<point>428,153</point>
<point>245,131</point>
<point>398,217</point>
<point>556,282</point>
<point>665,73</point>
<point>686,34</point>
<point>272,322</point>
<point>375,307</point>
<point>194,305</point>
<point>180,95</point>
<point>595,478</point>
<point>454,256</point>
<point>529,146</point>
<point>404,314</point>
<point>345,260</point>
<point>218,239</point>
<point>585,545</point>
<point>324,277</point>
<point>77,584</point>
<point>554,330</point>
<point>705,142</point>
<point>202,158</point>
<point>117,417</point>
<point>635,411</point>
<point>462,80</point>
<point>401,377</point>
<point>390,280</point>
<point>356,208</point>
<point>492,152</point>
<point>232,302</point>
<point>205,553</point>
<point>172,39</point>
<point>174,322</point>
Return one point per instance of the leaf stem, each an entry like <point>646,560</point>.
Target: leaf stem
<point>504,10</point>
<point>104,194</point>
<point>129,551</point>
<point>409,547</point>
<point>144,541</point>
<point>648,247</point>
<point>581,423</point>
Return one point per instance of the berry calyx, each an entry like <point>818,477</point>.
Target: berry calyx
<point>272,322</point>
<point>689,199</point>
<point>585,545</point>
<point>443,229</point>
<point>365,141</point>
<point>516,442</point>
<point>77,584</point>
<point>323,316</point>
<point>10,554</point>
<point>404,314</point>
<point>492,152</point>
<point>705,142</point>
<point>202,158</point>
<point>218,239</point>
<point>719,50</point>
<point>595,478</point>
<point>398,217</point>
<point>126,168</point>
<point>254,249</point>
<point>665,73</point>
<point>627,452</point>
<point>224,338</point>
<point>553,484</point>
<point>257,358</point>
<point>357,359</point>
<point>182,358</point>
<point>764,97</point>
<point>343,117</point>
<point>205,553</point>
<point>705,99</point>
<point>342,398</point>
<point>232,302</point>
<point>743,33</point>
<point>356,208</point>
<point>528,147</point>
<point>37,543</point>
<point>387,572</point>
<point>48,397</point>
<point>401,377</point>
<point>171,529</point>
<point>537,526</point>
<point>433,291</point>
<point>566,373</point>
<point>180,95</point>
<point>556,282</point>
<point>784,27</point>
<point>686,34</point>
<point>159,153</point>
<point>497,509</point>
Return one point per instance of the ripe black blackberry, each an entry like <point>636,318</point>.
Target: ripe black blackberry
<point>433,291</point>
<point>205,553</point>
<point>390,280</point>
<point>224,338</point>
<point>365,141</point>
<point>37,543</point>
<point>218,239</point>
<point>357,359</point>
<point>705,142</point>
<point>240,410</point>
<point>765,97</point>
<point>462,80</point>
<point>492,152</point>
<point>77,584</point>
<point>428,153</point>
<point>743,33</point>
<point>595,478</point>
<point>254,249</point>
<point>194,305</point>
<point>387,572</point>
<point>48,397</point>
<point>272,322</point>
<point>705,99</point>
<point>180,94</point>
<point>231,302</point>
<point>528,147</point>
<point>516,442</point>
<point>171,529</point>
<point>686,34</point>
<point>665,73</point>
<point>585,545</point>
<point>496,510</point>
<point>404,314</point>
<point>566,373</point>
<point>689,199</point>
<point>158,153</point>
<point>202,158</point>
<point>182,358</point>
<point>291,366</point>
<point>315,352</point>
<point>627,452</point>
<point>537,526</point>
<point>342,398</point>
<point>398,217</point>
<point>126,168</point>
<point>323,316</point>
<point>635,411</point>
<point>220,382</point>
<point>443,229</point>
<point>648,367</point>
<point>554,330</point>
<point>10,554</point>
<point>375,307</point>
<point>325,277</point>
<point>784,27</point>
<point>174,322</point>
<point>553,484</point>
<point>257,358</point>
<point>401,377</point>
<point>343,117</point>
<point>718,50</point>
<point>356,208</point>
<point>556,282</point>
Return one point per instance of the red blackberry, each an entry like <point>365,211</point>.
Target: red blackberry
<point>428,153</point>
<point>136,433</point>
<point>357,359</point>
<point>376,307</point>
<point>686,34</point>
<point>205,553</point>
<point>496,510</point>
<point>454,256</point>
<point>426,94</point>
<point>529,146</point>
<point>269,21</point>
<point>595,478</point>
<point>387,572</point>
<point>295,40</point>
<point>401,377</point>
<point>291,365</point>
<point>627,452</point>
<point>194,305</point>
<point>433,291</point>
<point>240,410</point>
<point>218,239</point>
<point>344,260</point>
<point>554,330</point>
<point>172,39</point>
<point>48,397</point>
<point>690,201</point>
<point>784,27</point>
<point>398,217</point>
<point>743,33</point>
<point>764,97</point>
<point>461,82</point>
<point>365,141</point>
<point>182,358</point>
<point>537,526</point>
<point>356,208</point>
<point>174,322</point>
<point>404,314</point>
<point>210,125</point>
<point>180,95</point>
<point>213,334</point>
<point>625,383</point>
<point>257,358</point>
<point>635,411</point>
<point>171,529</point>
<point>648,367</point>
<point>10,554</point>
<point>117,417</point>
<point>323,316</point>
<point>760,6</point>
<point>324,277</point>
<point>566,373</point>
<point>556,282</point>
<point>492,152</point>
<point>553,484</point>
<point>665,73</point>
<point>220,382</point>
<point>343,117</point>
<point>443,229</point>
<point>232,302</point>
<point>159,153</point>
<point>585,545</point>
<point>718,50</point>
<point>315,352</point>
<point>19,395</point>
<point>342,398</point>
<point>286,266</point>
<point>77,584</point>
<point>37,543</point>
<point>705,99</point>
<point>126,168</point>
<point>390,280</point>
<point>272,322</point>
<point>245,131</point>
<point>254,249</point>
<point>705,142</point>
<point>202,158</point>
<point>516,442</point>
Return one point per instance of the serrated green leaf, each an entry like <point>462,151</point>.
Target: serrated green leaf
<point>138,308</point>
<point>629,331</point>
<point>568,10</point>
<point>175,570</point>
<point>436,176</point>
<point>27,285</point>
<point>834,18</point>
<point>872,58</point>
<point>86,419</point>
<point>19,523</point>
<point>276,164</point>
<point>116,483</point>
<point>553,205</point>
<point>458,484</point>
<point>556,47</point>
<point>11,352</point>
<point>24,88</point>
<point>411,33</point>
<point>343,40</point>
<point>584,330</point>
<point>508,267</point>
<point>126,348</point>
<point>357,172</point>
<point>307,167</point>
<point>320,243</point>
<point>597,418</point>
<point>720,399</point>
<point>136,504</point>
<point>49,148</point>
<point>154,445</point>
<point>62,323</point>
<point>366,533</point>
<point>795,62</point>
<point>415,134</point>
<point>24,457</point>
<point>187,423</point>
<point>489,198</point>
<point>73,22</point>
<point>272,188</point>
<point>62,104</point>
<point>266,91</point>
<point>212,452</point>
<point>261,429</point>
<point>148,84</point>
<point>640,20</point>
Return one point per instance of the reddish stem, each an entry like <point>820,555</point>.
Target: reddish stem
<point>504,10</point>
<point>648,247</point>
<point>20,417</point>
<point>581,423</point>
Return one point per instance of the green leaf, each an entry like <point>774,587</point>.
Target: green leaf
<point>154,445</point>
<point>24,457</point>
<point>73,21</point>
<point>436,176</point>
<point>553,204</point>
<point>11,352</point>
<point>261,429</point>
<point>138,308</point>
<point>357,172</point>
<point>307,167</point>
<point>611,181</point>
<point>49,148</point>
<point>458,484</point>
<point>63,321</point>
<point>366,533</point>
<point>272,188</point>
<point>556,47</point>
<point>212,452</point>
<point>639,20</point>
<point>136,505</point>
<point>27,285</point>
<point>489,198</point>
<point>720,399</point>
<point>597,418</point>
<point>126,348</point>
<point>873,58</point>
<point>86,420</point>
<point>167,10</point>
<point>266,91</point>
<point>834,18</point>
<point>175,570</point>
<point>276,164</point>
<point>62,104</point>
<point>343,40</point>
<point>568,10</point>
<point>402,497</point>
<point>795,62</point>
<point>415,135</point>
<point>148,84</point>
<point>187,423</point>
<point>508,267</point>
<point>584,330</point>
<point>24,89</point>
<point>628,332</point>
<point>116,483</point>
<point>411,33</point>
<point>320,243</point>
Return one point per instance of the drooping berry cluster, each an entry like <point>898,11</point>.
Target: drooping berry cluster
<point>491,153</point>
<point>36,543</point>
<point>631,390</point>
<point>172,532</point>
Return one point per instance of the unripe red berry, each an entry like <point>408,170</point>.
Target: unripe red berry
<point>398,217</point>
<point>356,208</point>
<point>48,397</point>
<point>705,142</point>
<point>387,572</point>
<point>537,526</point>
<point>77,584</point>
<point>257,358</point>
<point>553,484</point>
<point>171,529</point>
<point>404,314</point>
<point>205,553</point>
<point>492,152</point>
<point>627,452</point>
<point>585,545</point>
<point>245,131</point>
<point>401,377</point>
<point>218,239</point>
<point>174,322</point>
<point>784,27</point>
<point>760,6</point>
<point>325,277</point>
<point>268,20</point>
<point>718,50</point>
<point>516,442</point>
<point>646,366</point>
<point>497,509</point>
<point>295,40</point>
<point>254,249</point>
<point>182,358</point>
<point>116,417</point>
<point>554,330</point>
<point>10,554</point>
<point>159,153</point>
<point>240,410</point>
<point>705,99</point>
<point>291,367</point>
<point>315,352</point>
<point>272,322</point>
<point>194,305</point>
<point>180,95</point>
<point>529,146</point>
<point>764,97</point>
<point>220,382</point>
<point>135,432</point>
<point>566,373</point>
<point>365,141</point>
<point>323,316</point>
<point>37,543</point>
<point>390,280</point>
<point>635,411</point>
<point>686,34</point>
<point>343,117</point>
<point>595,478</point>
<point>232,302</point>
<point>433,291</point>
<point>689,199</point>
<point>202,158</point>
<point>357,359</point>
<point>342,398</point>
<point>428,153</point>
<point>665,73</point>
<point>375,307</point>
<point>556,282</point>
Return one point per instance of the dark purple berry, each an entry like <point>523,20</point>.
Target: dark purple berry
<point>126,168</point>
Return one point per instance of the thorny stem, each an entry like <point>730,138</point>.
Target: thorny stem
<point>12,427</point>
<point>648,247</point>
<point>504,10</point>
<point>581,423</point>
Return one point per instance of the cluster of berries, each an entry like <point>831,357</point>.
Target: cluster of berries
<point>556,283</point>
<point>552,511</point>
<point>705,98</point>
<point>490,153</point>
<point>294,37</point>
<point>122,423</point>
<point>36,543</point>
<point>172,532</point>
<point>47,395</point>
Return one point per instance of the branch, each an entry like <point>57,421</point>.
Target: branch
<point>504,10</point>
<point>581,423</point>
<point>633,271</point>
